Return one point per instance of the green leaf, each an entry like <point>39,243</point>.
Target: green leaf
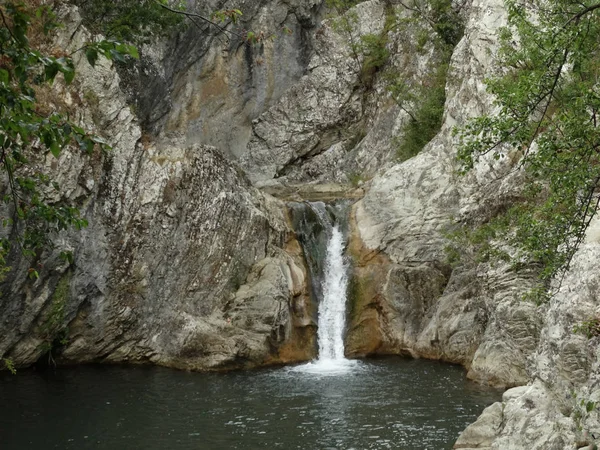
<point>51,71</point>
<point>589,406</point>
<point>92,55</point>
<point>116,55</point>
<point>133,51</point>
<point>4,76</point>
<point>66,256</point>
<point>33,274</point>
<point>55,148</point>
<point>68,71</point>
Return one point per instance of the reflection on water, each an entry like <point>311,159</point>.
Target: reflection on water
<point>391,403</point>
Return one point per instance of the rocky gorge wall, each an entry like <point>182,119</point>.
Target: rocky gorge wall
<point>184,263</point>
<point>406,298</point>
<point>188,261</point>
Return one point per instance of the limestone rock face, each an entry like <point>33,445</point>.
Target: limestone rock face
<point>475,315</point>
<point>184,263</point>
<point>558,408</point>
<point>339,122</point>
<point>207,87</point>
<point>482,433</point>
<point>471,316</point>
<point>313,115</point>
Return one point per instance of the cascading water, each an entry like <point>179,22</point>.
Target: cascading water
<point>322,233</point>
<point>332,308</point>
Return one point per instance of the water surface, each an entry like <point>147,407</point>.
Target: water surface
<point>379,404</point>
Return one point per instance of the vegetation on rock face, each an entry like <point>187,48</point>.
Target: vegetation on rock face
<point>36,65</point>
<point>134,21</point>
<point>9,365</point>
<point>30,66</point>
<point>590,327</point>
<point>547,98</point>
<point>438,24</point>
<point>424,104</point>
<point>53,330</point>
<point>28,131</point>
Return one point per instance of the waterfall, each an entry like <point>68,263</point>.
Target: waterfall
<point>332,307</point>
<point>322,232</point>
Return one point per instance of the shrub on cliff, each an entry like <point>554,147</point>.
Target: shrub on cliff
<point>27,128</point>
<point>134,21</point>
<point>29,65</point>
<point>548,102</point>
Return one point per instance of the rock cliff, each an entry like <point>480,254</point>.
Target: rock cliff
<point>473,314</point>
<point>184,263</point>
<point>188,263</point>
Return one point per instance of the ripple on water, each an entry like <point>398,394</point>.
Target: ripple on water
<point>392,403</point>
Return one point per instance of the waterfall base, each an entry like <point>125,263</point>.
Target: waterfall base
<point>328,367</point>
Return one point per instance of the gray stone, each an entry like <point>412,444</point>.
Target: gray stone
<point>184,263</point>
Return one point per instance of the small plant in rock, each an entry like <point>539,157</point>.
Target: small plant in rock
<point>583,408</point>
<point>9,365</point>
<point>53,331</point>
<point>373,48</point>
<point>590,328</point>
<point>355,178</point>
<point>425,119</point>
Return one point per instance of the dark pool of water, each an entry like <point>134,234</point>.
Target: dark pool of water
<point>390,403</point>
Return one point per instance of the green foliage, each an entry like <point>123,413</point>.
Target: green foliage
<point>9,365</point>
<point>355,178</point>
<point>475,245</point>
<point>227,14</point>
<point>341,6</point>
<point>548,100</point>
<point>27,132</point>
<point>590,328</point>
<point>345,22</point>
<point>581,411</point>
<point>54,331</point>
<point>111,50</point>
<point>445,21</point>
<point>134,21</point>
<point>373,48</point>
<point>368,51</point>
<point>3,268</point>
<point>55,319</point>
<point>538,294</point>
<point>433,22</point>
<point>426,117</point>
<point>422,38</point>
<point>423,101</point>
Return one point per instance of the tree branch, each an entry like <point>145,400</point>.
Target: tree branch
<point>198,16</point>
<point>581,13</point>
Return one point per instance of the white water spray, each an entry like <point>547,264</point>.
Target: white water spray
<point>332,304</point>
<point>332,309</point>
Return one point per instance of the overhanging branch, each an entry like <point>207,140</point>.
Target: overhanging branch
<point>192,16</point>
